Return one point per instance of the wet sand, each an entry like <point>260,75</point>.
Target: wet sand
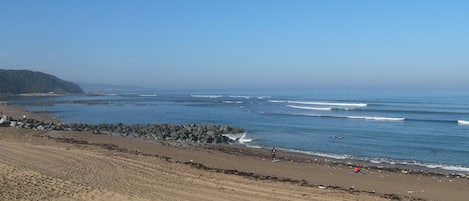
<point>53,165</point>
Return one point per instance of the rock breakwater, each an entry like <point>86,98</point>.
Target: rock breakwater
<point>166,132</point>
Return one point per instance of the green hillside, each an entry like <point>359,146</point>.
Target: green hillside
<point>26,81</point>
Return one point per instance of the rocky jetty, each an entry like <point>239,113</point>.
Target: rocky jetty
<point>166,132</point>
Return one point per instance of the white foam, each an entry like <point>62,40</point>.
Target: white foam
<point>377,118</point>
<point>329,103</point>
<point>277,101</point>
<point>379,160</point>
<point>348,117</point>
<point>455,168</point>
<point>310,108</point>
<point>326,155</point>
<point>231,136</point>
<point>148,95</point>
<point>233,102</point>
<point>254,146</point>
<point>264,97</point>
<point>244,139</point>
<point>245,97</point>
<point>435,166</point>
<point>207,96</point>
<point>239,137</point>
<point>463,122</point>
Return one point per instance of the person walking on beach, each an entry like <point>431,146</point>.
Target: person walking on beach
<point>273,153</point>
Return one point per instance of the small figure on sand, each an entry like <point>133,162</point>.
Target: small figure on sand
<point>273,154</point>
<point>357,170</point>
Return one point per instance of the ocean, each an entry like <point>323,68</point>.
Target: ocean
<point>419,128</point>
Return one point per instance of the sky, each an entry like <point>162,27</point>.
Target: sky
<point>237,44</point>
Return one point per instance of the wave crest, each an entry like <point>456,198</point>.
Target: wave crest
<point>463,122</point>
<point>310,108</point>
<point>245,97</point>
<point>277,101</point>
<point>232,102</point>
<point>206,96</point>
<point>329,103</point>
<point>377,118</point>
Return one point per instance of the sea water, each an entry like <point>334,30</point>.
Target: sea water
<point>423,128</point>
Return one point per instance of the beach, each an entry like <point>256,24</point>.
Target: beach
<point>62,165</point>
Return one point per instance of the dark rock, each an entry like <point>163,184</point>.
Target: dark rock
<point>184,133</point>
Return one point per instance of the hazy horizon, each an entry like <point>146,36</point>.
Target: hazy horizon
<point>197,45</point>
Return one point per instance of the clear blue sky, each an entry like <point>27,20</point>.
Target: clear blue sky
<point>235,44</point>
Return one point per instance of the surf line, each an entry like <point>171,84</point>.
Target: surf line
<point>310,108</point>
<point>329,103</point>
<point>377,118</point>
<point>463,122</point>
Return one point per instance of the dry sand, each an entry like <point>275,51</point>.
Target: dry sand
<point>52,165</point>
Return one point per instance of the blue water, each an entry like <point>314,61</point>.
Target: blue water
<point>425,128</point>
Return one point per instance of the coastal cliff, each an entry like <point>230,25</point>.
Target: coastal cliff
<point>13,82</point>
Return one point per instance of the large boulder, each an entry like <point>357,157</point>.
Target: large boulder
<point>4,122</point>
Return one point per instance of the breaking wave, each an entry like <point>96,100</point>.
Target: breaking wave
<point>239,137</point>
<point>325,155</point>
<point>456,168</point>
<point>206,96</point>
<point>310,108</point>
<point>376,118</point>
<point>148,95</point>
<point>463,122</point>
<point>264,97</point>
<point>245,97</point>
<point>329,103</point>
<point>337,116</point>
<point>277,101</point>
<point>249,97</point>
<point>232,102</point>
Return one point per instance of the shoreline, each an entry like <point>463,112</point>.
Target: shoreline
<point>397,166</point>
<point>421,167</point>
<point>100,167</point>
<point>397,183</point>
<point>255,165</point>
<point>286,155</point>
<point>17,112</point>
<point>406,164</point>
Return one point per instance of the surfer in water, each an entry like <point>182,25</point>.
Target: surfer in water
<point>273,154</point>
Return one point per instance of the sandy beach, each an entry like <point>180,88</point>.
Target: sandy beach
<point>59,165</point>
